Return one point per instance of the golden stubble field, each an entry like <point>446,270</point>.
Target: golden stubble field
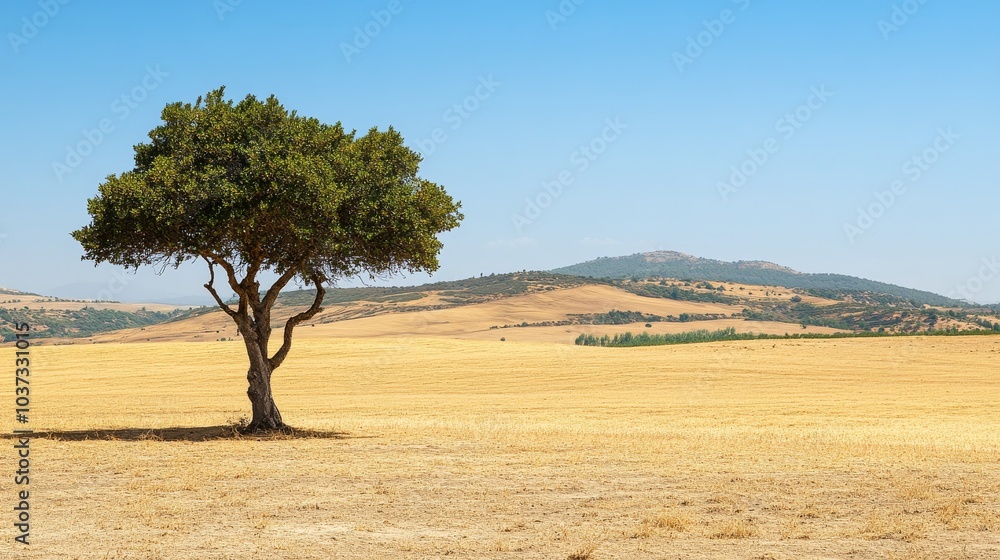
<point>434,448</point>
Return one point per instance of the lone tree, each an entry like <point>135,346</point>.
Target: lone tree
<point>250,188</point>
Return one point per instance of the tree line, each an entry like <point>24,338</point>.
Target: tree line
<point>628,339</point>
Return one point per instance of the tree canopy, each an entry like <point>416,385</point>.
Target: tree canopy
<point>256,185</point>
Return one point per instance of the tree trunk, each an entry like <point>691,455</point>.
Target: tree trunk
<point>265,413</point>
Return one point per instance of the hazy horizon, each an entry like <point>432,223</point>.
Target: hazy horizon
<point>854,138</point>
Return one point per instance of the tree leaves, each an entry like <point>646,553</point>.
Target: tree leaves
<point>252,182</point>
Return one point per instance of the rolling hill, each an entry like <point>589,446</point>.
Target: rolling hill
<point>671,264</point>
<point>52,317</point>
<point>548,307</point>
<point>656,293</point>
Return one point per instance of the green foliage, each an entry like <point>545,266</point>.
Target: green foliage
<point>673,292</point>
<point>987,324</point>
<point>645,339</point>
<point>255,185</point>
<point>615,317</point>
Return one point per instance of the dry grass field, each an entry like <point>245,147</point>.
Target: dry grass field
<point>443,448</point>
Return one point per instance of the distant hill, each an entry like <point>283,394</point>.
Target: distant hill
<point>9,292</point>
<point>671,264</point>
<point>135,294</point>
<point>665,297</point>
<point>548,307</point>
<point>840,302</point>
<point>52,317</point>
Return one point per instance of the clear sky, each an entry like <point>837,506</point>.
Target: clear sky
<point>729,129</point>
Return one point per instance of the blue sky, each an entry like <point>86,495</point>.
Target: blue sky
<point>645,111</point>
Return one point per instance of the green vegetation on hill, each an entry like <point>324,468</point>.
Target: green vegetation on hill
<point>459,292</point>
<point>646,265</point>
<point>675,292</point>
<point>645,339</point>
<point>616,317</point>
<point>304,298</point>
<point>61,323</point>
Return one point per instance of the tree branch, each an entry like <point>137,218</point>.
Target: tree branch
<point>233,282</point>
<point>230,272</point>
<point>211,288</point>
<point>250,283</point>
<point>279,284</point>
<point>316,307</point>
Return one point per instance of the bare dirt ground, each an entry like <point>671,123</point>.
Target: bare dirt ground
<point>441,448</point>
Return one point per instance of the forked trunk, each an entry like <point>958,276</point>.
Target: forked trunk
<point>253,319</point>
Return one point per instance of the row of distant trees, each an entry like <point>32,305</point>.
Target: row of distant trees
<point>629,339</point>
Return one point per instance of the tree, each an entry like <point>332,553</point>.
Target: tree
<point>251,188</point>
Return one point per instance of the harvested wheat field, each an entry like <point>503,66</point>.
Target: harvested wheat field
<point>434,447</point>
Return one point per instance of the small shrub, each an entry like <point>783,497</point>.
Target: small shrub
<point>675,522</point>
<point>739,529</point>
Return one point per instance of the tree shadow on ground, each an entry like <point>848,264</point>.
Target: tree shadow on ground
<point>207,433</point>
